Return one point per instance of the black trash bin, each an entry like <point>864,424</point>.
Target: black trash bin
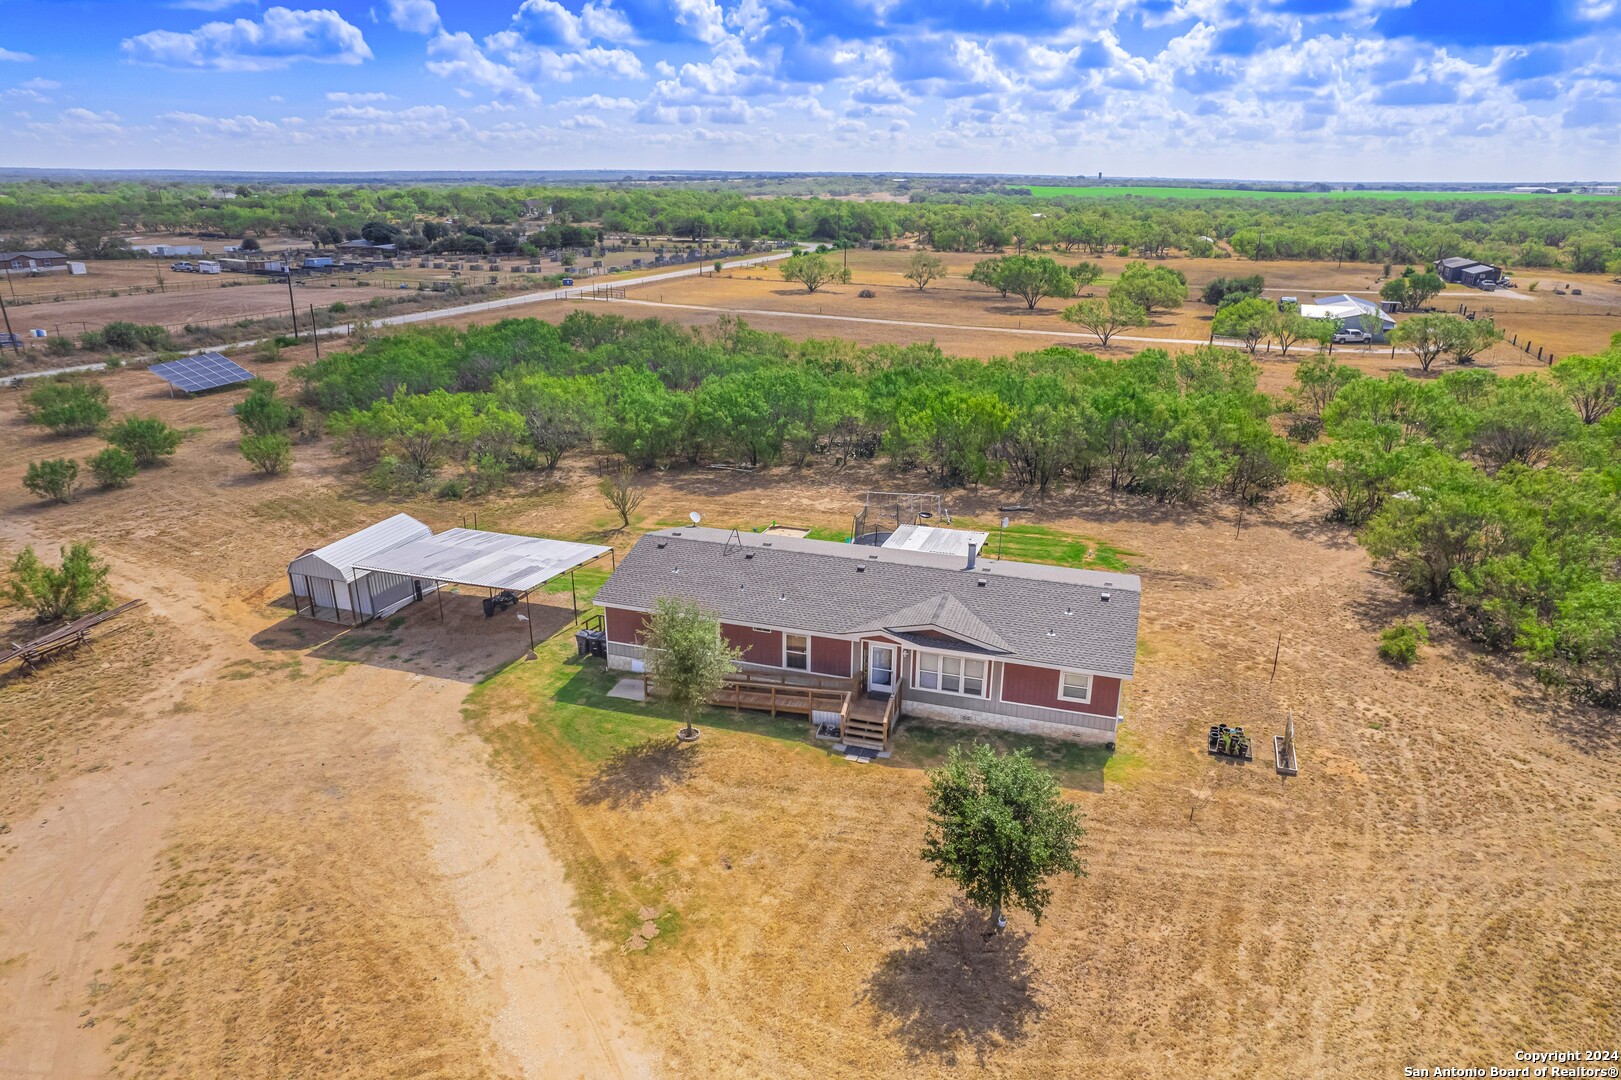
<point>489,607</point>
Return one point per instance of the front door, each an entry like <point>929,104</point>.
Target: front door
<point>880,668</point>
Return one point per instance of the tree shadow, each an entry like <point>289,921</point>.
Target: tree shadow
<point>635,774</point>
<point>954,987</point>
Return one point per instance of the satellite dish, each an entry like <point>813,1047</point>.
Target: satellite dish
<point>696,517</point>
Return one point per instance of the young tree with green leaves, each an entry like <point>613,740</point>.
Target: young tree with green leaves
<point>1153,288</point>
<point>67,406</point>
<point>77,588</point>
<point>53,478</point>
<point>999,828</point>
<point>1593,382</point>
<point>1106,317</point>
<point>146,439</point>
<point>1318,380</point>
<point>1521,420</point>
<point>1425,336</point>
<point>812,271</point>
<point>263,413</point>
<point>271,455</point>
<point>924,267</point>
<point>687,658</point>
<point>1290,328</point>
<point>1250,321</point>
<point>1084,274</point>
<point>113,468</point>
<point>1465,339</point>
<point>1029,277</point>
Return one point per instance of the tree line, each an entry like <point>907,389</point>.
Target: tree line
<point>1579,235</point>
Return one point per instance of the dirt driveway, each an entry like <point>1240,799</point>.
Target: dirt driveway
<point>282,862</point>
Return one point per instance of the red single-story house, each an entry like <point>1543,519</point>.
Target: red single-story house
<point>32,262</point>
<point>994,643</point>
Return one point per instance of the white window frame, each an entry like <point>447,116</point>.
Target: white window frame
<point>1062,688</point>
<point>931,664</point>
<point>786,651</point>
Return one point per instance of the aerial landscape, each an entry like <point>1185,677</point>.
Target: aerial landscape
<point>592,538</point>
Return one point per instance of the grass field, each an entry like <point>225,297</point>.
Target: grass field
<point>1244,193</point>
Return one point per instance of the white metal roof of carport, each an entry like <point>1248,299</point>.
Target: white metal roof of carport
<point>488,560</point>
<point>336,561</point>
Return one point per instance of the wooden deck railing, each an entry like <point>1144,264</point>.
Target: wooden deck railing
<point>760,693</point>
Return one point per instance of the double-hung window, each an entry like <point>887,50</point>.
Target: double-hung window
<point>796,652</point>
<point>1074,686</point>
<point>952,674</point>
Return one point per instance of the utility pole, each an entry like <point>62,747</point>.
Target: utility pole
<point>15,343</point>
<point>292,305</point>
<point>315,333</point>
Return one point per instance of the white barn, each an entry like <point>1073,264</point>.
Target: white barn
<point>327,579</point>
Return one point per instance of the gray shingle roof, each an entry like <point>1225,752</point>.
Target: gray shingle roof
<point>820,587</point>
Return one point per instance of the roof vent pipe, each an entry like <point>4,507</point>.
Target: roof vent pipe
<point>973,556</point>
<point>1104,596</point>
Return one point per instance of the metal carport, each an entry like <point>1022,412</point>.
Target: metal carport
<point>489,560</point>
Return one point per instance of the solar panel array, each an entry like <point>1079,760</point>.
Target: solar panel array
<point>205,371</point>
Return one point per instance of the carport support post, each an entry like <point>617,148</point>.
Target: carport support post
<point>439,591</point>
<point>529,617</point>
<point>573,601</point>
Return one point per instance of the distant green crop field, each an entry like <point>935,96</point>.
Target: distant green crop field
<point>1237,193</point>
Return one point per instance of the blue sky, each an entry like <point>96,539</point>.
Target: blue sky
<point>1293,89</point>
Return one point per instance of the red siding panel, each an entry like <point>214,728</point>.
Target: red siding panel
<point>624,626</point>
<point>758,646</point>
<point>830,656</point>
<point>1025,685</point>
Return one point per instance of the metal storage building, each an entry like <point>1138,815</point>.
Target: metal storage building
<point>329,581</point>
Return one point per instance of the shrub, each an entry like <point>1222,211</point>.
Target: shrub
<point>1400,641</point>
<point>263,413</point>
<point>269,454</point>
<point>145,438</point>
<point>866,294</point>
<point>78,588</point>
<point>67,406</point>
<point>55,478</point>
<point>454,488</point>
<point>131,337</point>
<point>113,468</point>
<point>59,346</point>
<point>338,308</point>
<point>1305,429</point>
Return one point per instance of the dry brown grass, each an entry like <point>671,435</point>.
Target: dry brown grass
<point>65,719</point>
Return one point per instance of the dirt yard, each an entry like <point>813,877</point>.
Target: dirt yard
<point>233,842</point>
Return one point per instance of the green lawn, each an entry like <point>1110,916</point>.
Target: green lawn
<point>1041,544</point>
<point>1148,192</point>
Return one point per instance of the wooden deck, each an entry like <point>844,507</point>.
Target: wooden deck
<point>863,721</point>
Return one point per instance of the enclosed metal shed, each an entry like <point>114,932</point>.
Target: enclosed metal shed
<point>327,583</point>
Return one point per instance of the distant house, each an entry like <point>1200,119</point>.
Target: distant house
<point>170,251</point>
<point>1353,313</point>
<point>1460,271</point>
<point>364,247</point>
<point>949,634</point>
<point>33,262</point>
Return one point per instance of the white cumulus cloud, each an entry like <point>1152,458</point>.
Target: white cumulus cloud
<point>282,38</point>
